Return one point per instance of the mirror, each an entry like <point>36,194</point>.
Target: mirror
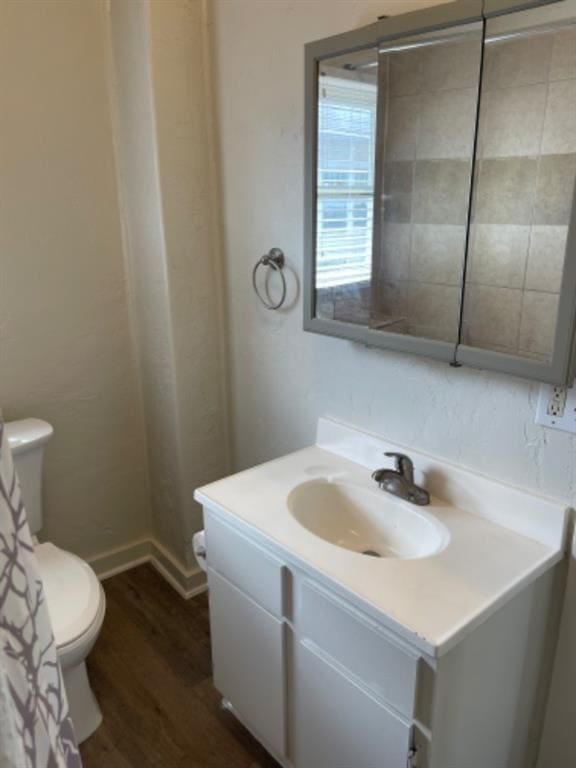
<point>524,191</point>
<point>346,155</point>
<point>396,125</point>
<point>427,127</point>
<point>440,186</point>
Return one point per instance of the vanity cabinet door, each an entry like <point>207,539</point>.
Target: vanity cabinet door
<point>339,724</point>
<point>248,661</point>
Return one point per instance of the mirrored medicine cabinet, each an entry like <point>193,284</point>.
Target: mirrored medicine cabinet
<point>440,214</point>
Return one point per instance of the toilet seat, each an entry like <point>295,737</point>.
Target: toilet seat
<point>76,604</point>
<point>74,596</point>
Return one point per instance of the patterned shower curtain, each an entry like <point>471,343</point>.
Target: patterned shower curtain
<point>35,726</point>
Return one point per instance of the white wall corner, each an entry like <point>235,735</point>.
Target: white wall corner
<point>188,582</point>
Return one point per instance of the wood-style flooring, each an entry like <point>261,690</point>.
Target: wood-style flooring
<point>150,670</point>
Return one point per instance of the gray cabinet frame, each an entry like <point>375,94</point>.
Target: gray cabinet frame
<point>562,367</point>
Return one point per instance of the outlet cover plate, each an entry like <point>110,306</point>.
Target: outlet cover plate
<point>565,421</point>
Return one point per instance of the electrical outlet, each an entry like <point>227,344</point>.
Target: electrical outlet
<point>557,408</point>
<point>557,402</point>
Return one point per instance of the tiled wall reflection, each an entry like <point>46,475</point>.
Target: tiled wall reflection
<point>524,193</point>
<point>346,303</point>
<point>430,117</point>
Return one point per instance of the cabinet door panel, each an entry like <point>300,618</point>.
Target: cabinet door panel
<point>248,660</point>
<point>258,573</point>
<point>338,724</point>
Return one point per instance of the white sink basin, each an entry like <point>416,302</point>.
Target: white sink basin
<point>365,521</point>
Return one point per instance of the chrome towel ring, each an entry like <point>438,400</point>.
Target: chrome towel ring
<point>275,260</point>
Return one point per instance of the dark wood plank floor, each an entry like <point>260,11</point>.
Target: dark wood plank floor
<point>150,670</point>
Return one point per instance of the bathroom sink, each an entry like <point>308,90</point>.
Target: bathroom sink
<point>365,521</point>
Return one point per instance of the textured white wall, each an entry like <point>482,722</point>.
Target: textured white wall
<point>185,140</point>
<point>65,346</point>
<point>162,114</point>
<point>283,379</point>
<point>145,247</point>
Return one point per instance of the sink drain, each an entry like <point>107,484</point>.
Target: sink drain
<point>371,553</point>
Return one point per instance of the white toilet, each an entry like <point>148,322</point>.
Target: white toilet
<point>75,598</point>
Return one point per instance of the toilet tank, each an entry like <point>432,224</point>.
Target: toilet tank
<point>27,439</point>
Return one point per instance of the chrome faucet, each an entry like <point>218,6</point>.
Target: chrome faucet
<point>400,481</point>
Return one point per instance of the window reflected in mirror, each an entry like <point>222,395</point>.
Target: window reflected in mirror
<point>346,118</point>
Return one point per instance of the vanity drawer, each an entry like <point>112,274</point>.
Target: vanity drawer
<point>360,645</point>
<point>245,564</point>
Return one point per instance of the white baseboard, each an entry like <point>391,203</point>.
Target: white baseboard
<point>188,582</point>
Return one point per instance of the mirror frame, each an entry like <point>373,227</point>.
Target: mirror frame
<point>460,12</point>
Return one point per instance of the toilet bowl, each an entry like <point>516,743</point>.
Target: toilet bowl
<point>74,596</point>
<point>76,605</point>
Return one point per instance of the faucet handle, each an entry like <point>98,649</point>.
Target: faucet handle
<point>403,464</point>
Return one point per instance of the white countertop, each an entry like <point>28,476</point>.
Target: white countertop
<point>433,602</point>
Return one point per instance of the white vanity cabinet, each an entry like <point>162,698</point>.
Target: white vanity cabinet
<point>323,683</point>
<point>316,681</point>
<point>333,659</point>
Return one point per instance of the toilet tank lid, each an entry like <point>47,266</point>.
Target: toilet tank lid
<point>27,433</point>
